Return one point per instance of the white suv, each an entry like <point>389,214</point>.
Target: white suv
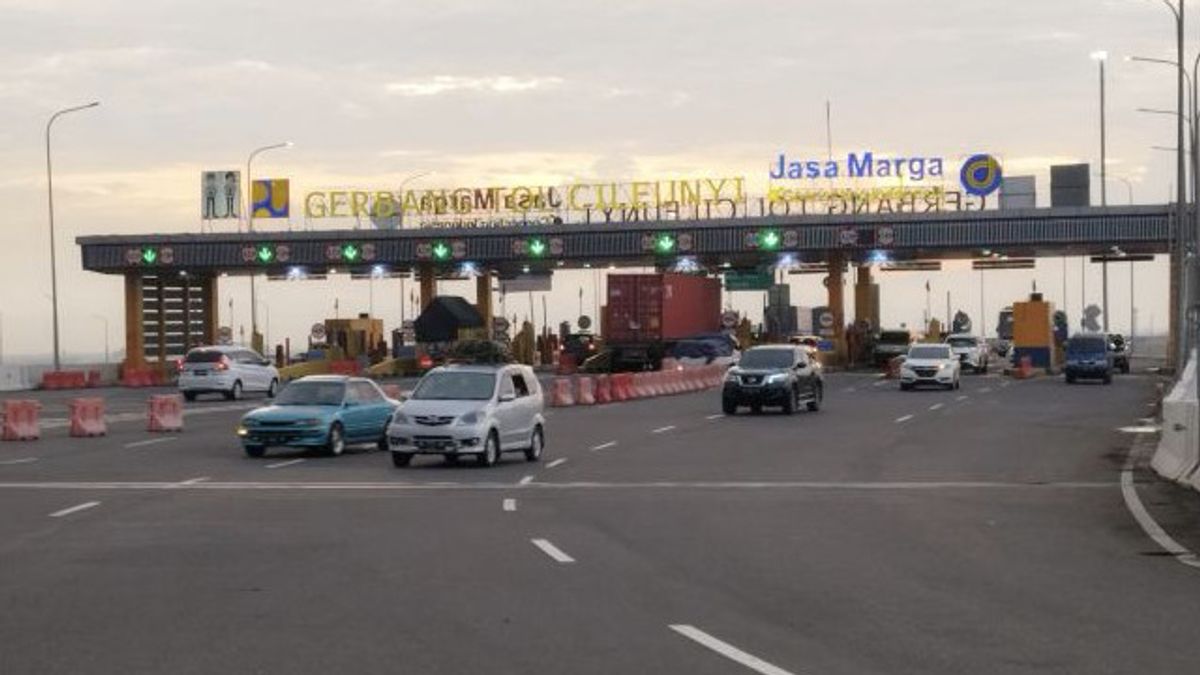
<point>230,371</point>
<point>970,350</point>
<point>930,364</point>
<point>480,410</point>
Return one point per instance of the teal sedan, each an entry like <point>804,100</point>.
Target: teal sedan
<point>327,412</point>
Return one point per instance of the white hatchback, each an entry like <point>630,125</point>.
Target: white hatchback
<point>480,410</point>
<point>229,371</point>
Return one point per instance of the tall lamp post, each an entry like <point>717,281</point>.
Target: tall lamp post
<point>50,199</point>
<point>250,228</point>
<point>1101,57</point>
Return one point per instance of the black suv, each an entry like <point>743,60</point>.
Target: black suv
<point>782,375</point>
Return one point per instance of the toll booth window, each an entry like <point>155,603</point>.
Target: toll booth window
<point>520,386</point>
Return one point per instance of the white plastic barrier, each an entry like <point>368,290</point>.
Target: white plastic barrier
<point>15,378</point>
<point>1178,454</point>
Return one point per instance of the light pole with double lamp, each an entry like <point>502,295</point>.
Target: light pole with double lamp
<point>50,198</point>
<point>1101,57</point>
<point>254,337</point>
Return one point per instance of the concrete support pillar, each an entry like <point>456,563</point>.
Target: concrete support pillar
<point>866,298</point>
<point>483,299</point>
<point>837,305</point>
<point>428,284</point>
<point>209,298</point>
<point>135,340</point>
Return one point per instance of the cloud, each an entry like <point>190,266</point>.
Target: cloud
<point>442,84</point>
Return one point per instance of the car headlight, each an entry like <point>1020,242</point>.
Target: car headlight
<point>399,417</point>
<point>731,376</point>
<point>777,377</point>
<point>471,417</point>
<point>946,366</point>
<point>242,430</point>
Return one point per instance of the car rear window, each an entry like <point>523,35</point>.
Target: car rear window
<point>768,358</point>
<point>204,357</point>
<point>1086,344</point>
<point>895,337</point>
<point>450,386</point>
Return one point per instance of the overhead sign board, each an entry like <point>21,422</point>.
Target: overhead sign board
<point>751,280</point>
<point>269,198</point>
<point>220,195</point>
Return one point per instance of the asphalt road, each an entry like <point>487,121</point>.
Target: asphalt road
<point>979,531</point>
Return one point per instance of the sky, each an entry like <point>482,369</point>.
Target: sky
<point>502,93</point>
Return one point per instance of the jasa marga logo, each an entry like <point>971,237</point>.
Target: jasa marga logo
<point>980,175</point>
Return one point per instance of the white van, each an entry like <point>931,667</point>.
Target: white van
<point>229,371</point>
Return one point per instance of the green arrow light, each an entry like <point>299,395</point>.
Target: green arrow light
<point>664,243</point>
<point>769,240</point>
<point>265,253</point>
<point>351,252</point>
<point>149,255</point>
<point>537,248</point>
<point>441,251</point>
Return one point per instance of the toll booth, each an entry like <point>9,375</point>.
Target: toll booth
<point>166,315</point>
<point>355,337</point>
<point>1033,333</point>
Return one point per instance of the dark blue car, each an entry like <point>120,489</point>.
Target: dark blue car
<point>327,412</point>
<point>1088,357</point>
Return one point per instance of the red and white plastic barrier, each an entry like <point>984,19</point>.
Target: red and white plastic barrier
<point>21,421</point>
<point>164,412</point>
<point>562,393</point>
<point>87,417</point>
<point>604,389</point>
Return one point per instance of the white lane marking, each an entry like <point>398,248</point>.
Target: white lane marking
<point>1143,517</point>
<point>510,504</point>
<point>280,465</point>
<point>74,509</point>
<point>660,430</point>
<point>985,390</point>
<point>151,441</point>
<point>902,420</point>
<point>1140,430</point>
<point>936,406</point>
<point>23,460</point>
<point>962,398</point>
<point>572,485</point>
<point>849,390</point>
<point>714,417</point>
<point>194,481</point>
<point>525,481</point>
<point>552,551</point>
<point>558,462</point>
<point>880,383</point>
<point>728,651</point>
<point>603,446</point>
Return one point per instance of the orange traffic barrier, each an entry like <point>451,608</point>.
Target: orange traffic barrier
<point>164,412</point>
<point>585,390</point>
<point>64,379</point>
<point>604,389</point>
<point>1024,369</point>
<point>139,377</point>
<point>87,417</point>
<point>21,420</point>
<point>344,367</point>
<point>621,384</point>
<point>561,395</point>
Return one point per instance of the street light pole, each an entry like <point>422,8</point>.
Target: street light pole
<point>250,228</point>
<point>50,203</point>
<point>1102,57</point>
<point>105,320</point>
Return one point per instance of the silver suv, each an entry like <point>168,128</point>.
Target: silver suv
<point>480,410</point>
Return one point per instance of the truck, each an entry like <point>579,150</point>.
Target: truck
<point>645,314</point>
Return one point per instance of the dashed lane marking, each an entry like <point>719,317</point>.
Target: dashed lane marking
<point>985,390</point>
<point>881,383</point>
<point>1147,429</point>
<point>525,481</point>
<point>936,406</point>
<point>280,465</point>
<point>962,398</point>
<point>662,430</point>
<point>553,551</point>
<point>22,460</point>
<point>509,504</point>
<point>151,441</point>
<point>558,462</point>
<point>728,651</point>
<point>902,420</point>
<point>74,509</point>
<point>714,417</point>
<point>193,481</point>
<point>604,446</point>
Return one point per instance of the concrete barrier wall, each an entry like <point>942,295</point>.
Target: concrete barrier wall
<point>24,378</point>
<point>1178,455</point>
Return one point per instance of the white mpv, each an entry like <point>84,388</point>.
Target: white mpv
<point>480,410</point>
<point>229,371</point>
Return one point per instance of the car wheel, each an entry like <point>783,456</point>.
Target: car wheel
<point>337,441</point>
<point>728,407</point>
<point>235,392</point>
<point>271,389</point>
<point>814,404</point>
<point>255,451</point>
<point>534,452</point>
<point>491,451</point>
<point>789,403</point>
<point>401,459</point>
<point>189,396</point>
<point>382,444</point>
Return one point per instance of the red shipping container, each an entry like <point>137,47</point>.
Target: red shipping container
<point>644,308</point>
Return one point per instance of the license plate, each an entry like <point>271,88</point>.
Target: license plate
<point>199,373</point>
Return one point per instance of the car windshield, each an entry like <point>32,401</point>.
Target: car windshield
<point>929,352</point>
<point>962,342</point>
<point>207,356</point>
<point>448,386</point>
<point>1085,345</point>
<point>767,358</point>
<point>896,337</point>
<point>312,393</point>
